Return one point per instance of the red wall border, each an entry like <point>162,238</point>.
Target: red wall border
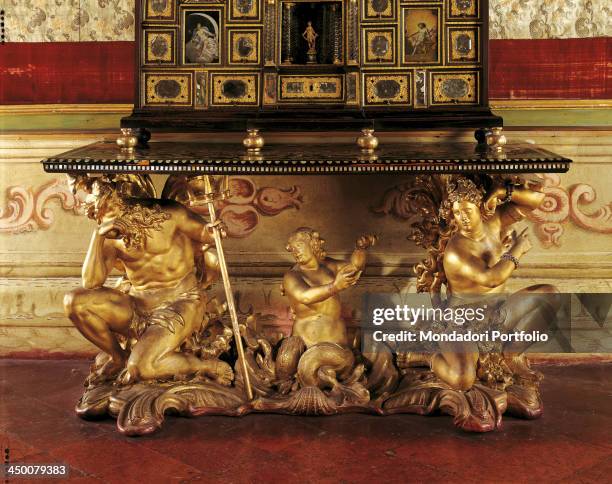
<point>102,72</point>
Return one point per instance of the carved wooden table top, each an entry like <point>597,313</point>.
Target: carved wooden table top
<point>304,159</point>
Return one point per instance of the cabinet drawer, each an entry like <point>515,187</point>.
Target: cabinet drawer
<point>234,89</point>
<point>244,46</point>
<point>160,46</point>
<point>311,88</point>
<point>463,9</point>
<point>454,88</point>
<point>379,46</point>
<point>386,90</point>
<point>167,89</point>
<point>463,44</point>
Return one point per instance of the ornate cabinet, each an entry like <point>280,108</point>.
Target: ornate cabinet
<point>333,64</point>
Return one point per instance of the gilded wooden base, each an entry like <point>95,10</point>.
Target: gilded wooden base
<point>141,408</point>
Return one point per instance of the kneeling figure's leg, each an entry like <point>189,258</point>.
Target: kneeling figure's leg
<point>155,355</point>
<point>97,314</point>
<point>456,364</point>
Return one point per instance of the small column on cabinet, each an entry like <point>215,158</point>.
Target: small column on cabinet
<point>286,32</point>
<point>337,33</point>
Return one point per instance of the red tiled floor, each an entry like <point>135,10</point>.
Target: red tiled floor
<point>18,448</point>
<point>598,473</point>
<point>126,459</point>
<point>571,443</point>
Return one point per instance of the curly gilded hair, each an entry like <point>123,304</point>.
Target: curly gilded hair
<point>462,189</point>
<point>312,237</point>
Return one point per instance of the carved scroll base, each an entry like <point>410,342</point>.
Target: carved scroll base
<point>141,408</point>
<point>479,409</point>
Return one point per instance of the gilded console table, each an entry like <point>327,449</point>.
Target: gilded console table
<point>166,348</point>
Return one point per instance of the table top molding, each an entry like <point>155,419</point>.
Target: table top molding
<point>291,159</point>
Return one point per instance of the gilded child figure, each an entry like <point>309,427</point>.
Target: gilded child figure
<point>313,285</point>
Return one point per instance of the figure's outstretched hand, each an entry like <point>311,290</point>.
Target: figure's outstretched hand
<point>494,198</point>
<point>220,226</point>
<point>490,204</point>
<point>366,241</point>
<point>522,244</point>
<point>508,240</point>
<point>346,277</point>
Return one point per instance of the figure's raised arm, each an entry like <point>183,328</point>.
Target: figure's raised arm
<point>193,225</point>
<point>514,202</point>
<point>99,261</point>
<point>358,257</point>
<point>298,290</point>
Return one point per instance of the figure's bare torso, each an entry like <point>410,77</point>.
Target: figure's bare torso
<point>319,277</point>
<point>164,259</point>
<point>472,254</point>
<point>318,321</point>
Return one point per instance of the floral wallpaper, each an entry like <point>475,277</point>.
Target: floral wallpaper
<point>103,20</point>
<point>68,20</point>
<point>549,19</point>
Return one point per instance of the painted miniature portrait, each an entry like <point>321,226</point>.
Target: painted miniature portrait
<point>421,35</point>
